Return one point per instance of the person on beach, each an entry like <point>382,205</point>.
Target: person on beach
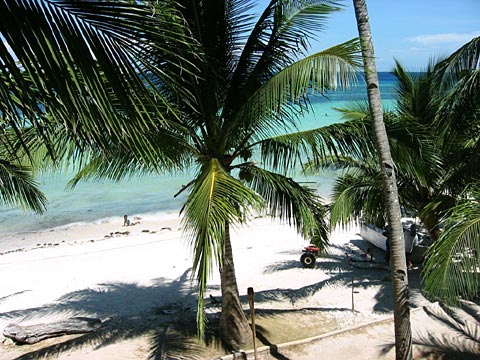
<point>127,222</point>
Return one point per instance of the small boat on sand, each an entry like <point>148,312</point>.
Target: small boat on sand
<point>416,238</point>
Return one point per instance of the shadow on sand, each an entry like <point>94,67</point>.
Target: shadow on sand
<point>165,312</point>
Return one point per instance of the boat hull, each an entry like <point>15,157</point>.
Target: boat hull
<point>374,235</point>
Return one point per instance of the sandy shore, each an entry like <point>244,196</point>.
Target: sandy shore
<point>126,275</point>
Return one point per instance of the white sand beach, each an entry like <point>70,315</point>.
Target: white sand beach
<point>129,276</point>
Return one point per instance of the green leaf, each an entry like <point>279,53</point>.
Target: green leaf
<point>284,198</point>
<point>451,267</point>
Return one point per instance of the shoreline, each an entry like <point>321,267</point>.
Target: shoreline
<point>82,231</point>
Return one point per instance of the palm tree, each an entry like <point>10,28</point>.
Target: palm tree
<point>424,181</point>
<point>451,268</point>
<point>433,143</point>
<point>219,102</point>
<point>403,335</point>
<point>76,75</point>
<point>86,72</point>
<point>433,135</point>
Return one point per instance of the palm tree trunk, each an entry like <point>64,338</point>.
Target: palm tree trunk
<point>403,335</point>
<point>234,325</point>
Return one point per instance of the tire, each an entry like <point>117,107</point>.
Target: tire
<point>308,260</point>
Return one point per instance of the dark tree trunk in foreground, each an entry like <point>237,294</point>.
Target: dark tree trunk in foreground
<point>234,326</point>
<point>403,335</point>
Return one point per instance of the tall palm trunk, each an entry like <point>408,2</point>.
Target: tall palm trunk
<point>234,325</point>
<point>403,336</point>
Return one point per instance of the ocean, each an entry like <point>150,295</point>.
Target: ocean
<point>154,195</point>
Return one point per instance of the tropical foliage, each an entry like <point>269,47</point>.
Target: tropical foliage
<point>197,86</point>
<point>75,79</point>
<point>433,161</point>
<point>452,265</point>
<point>453,261</point>
<point>434,139</point>
<point>18,187</point>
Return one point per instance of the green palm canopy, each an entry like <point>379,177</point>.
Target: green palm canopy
<point>434,138</point>
<point>75,72</point>
<point>197,86</point>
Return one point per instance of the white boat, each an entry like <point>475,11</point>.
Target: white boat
<point>375,235</point>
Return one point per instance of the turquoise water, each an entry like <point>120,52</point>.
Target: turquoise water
<point>153,195</point>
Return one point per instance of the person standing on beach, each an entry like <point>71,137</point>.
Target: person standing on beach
<point>126,222</point>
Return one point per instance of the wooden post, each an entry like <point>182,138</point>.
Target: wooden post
<point>353,300</point>
<point>252,315</point>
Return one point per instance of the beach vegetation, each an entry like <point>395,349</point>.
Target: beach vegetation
<point>202,87</point>
<point>433,135</point>
<point>18,187</point>
<point>453,262</point>
<point>433,151</point>
<point>69,79</point>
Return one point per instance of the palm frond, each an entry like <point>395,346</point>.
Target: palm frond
<point>80,61</point>
<point>358,194</point>
<point>417,156</point>
<point>418,95</point>
<point>330,163</point>
<point>291,202</point>
<point>355,111</point>
<point>325,70</point>
<point>459,112</point>
<point>18,188</point>
<point>281,32</point>
<point>287,89</point>
<point>453,261</point>
<point>123,163</point>
<point>453,68</point>
<point>216,199</point>
<point>343,139</point>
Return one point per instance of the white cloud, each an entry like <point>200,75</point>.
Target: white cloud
<point>444,38</point>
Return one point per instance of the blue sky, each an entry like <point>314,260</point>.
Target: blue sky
<point>412,31</point>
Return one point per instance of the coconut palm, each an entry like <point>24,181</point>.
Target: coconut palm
<point>227,121</point>
<point>451,269</point>
<point>403,335</point>
<point>86,71</point>
<point>422,177</point>
<point>18,187</point>
<point>434,145</point>
<point>433,136</point>
<point>243,99</point>
<point>433,168</point>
